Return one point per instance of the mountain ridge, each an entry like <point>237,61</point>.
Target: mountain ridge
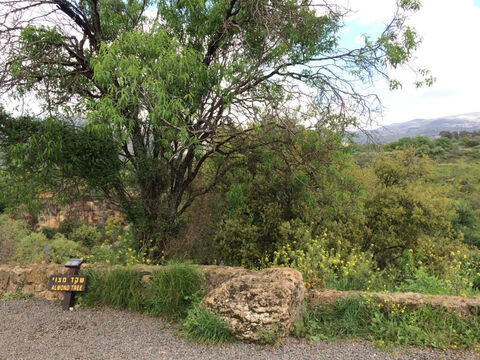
<point>422,127</point>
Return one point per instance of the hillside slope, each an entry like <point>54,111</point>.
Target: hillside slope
<point>424,127</point>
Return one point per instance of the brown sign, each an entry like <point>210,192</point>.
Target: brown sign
<point>67,283</point>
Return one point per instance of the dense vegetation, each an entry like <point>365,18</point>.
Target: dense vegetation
<point>346,216</point>
<point>143,97</point>
<point>218,130</point>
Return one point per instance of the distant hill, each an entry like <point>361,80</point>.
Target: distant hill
<point>423,127</point>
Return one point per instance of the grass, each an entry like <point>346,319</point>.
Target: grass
<point>173,290</point>
<point>119,289</point>
<point>390,324</point>
<point>170,293</point>
<point>17,295</point>
<point>204,327</point>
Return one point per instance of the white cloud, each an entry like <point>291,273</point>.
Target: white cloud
<point>450,49</point>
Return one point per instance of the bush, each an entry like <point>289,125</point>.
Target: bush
<point>49,232</point>
<point>427,284</point>
<point>68,225</point>
<point>10,232</point>
<point>33,249</point>
<point>86,235</point>
<point>117,248</point>
<point>36,248</point>
<point>62,249</point>
<point>206,327</point>
<point>322,265</point>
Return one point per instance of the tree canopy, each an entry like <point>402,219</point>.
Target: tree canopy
<point>141,94</point>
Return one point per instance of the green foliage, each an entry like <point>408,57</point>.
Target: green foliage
<point>69,225</point>
<point>49,232</point>
<point>157,96</point>
<point>119,288</point>
<point>62,249</point>
<point>37,248</point>
<point>276,196</point>
<point>174,289</point>
<point>32,249</point>
<point>324,266</point>
<point>466,221</point>
<point>422,145</point>
<point>170,292</point>
<point>202,326</point>
<point>86,235</point>
<point>427,284</point>
<point>404,212</point>
<point>387,323</point>
<point>117,247</point>
<point>10,232</point>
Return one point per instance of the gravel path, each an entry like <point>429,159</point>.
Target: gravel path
<point>35,329</point>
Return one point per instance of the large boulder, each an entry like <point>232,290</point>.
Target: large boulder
<point>214,276</point>
<point>259,306</point>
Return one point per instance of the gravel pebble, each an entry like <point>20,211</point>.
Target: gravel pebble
<point>36,329</point>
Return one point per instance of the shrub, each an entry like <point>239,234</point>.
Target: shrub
<point>10,233</point>
<point>324,266</point>
<point>425,283</point>
<point>117,247</point>
<point>36,248</point>
<point>86,235</point>
<point>32,249</point>
<point>62,249</point>
<point>49,232</point>
<point>206,327</point>
<point>118,254</point>
<point>68,225</point>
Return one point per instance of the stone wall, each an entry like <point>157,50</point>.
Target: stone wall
<point>32,279</point>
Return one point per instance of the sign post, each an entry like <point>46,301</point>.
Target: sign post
<point>70,283</point>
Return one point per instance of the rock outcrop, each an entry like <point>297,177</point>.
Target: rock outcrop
<point>259,306</point>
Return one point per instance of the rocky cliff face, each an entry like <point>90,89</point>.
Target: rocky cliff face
<point>91,210</point>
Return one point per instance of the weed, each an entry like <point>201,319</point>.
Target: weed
<point>18,294</point>
<point>205,327</point>
<point>392,324</point>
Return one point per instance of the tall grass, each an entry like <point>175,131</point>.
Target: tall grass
<point>173,290</point>
<point>170,292</point>
<point>205,327</point>
<point>390,324</point>
<point>118,288</point>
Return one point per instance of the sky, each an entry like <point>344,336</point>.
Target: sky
<point>450,50</point>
